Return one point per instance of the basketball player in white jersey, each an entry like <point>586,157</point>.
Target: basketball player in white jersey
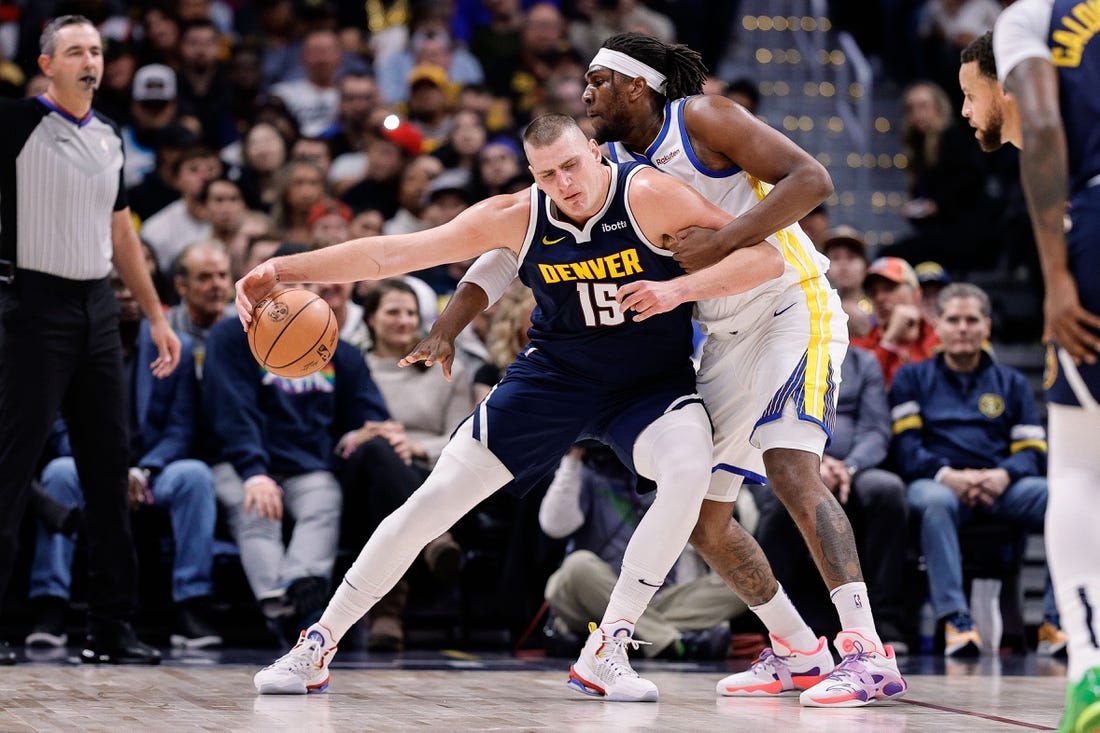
<point>770,367</point>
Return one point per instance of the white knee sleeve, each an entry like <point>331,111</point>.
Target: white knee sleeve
<point>675,451</point>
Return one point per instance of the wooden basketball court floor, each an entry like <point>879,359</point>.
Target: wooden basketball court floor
<point>453,691</point>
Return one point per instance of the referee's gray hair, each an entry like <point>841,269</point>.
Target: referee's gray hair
<point>47,42</point>
<point>964,290</point>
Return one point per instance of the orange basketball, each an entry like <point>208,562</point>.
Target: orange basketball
<point>293,333</point>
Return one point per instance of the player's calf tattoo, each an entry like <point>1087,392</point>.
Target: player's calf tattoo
<point>836,551</point>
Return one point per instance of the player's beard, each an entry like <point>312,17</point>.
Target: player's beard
<point>990,137</point>
<point>612,126</point>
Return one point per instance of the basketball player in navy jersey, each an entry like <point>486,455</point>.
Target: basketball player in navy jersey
<point>770,365</point>
<point>582,231</point>
<point>1036,84</point>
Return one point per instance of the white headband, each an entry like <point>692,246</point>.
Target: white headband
<point>630,66</point>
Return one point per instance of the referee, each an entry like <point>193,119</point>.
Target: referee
<point>64,222</point>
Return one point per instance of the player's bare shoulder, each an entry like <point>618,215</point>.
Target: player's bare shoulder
<point>714,124</point>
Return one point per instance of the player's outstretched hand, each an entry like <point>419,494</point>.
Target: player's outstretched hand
<point>436,348</point>
<point>252,288</point>
<point>1068,324</point>
<point>648,298</point>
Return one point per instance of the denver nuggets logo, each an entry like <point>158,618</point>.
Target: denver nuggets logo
<point>991,405</point>
<point>1050,372</point>
<point>278,311</point>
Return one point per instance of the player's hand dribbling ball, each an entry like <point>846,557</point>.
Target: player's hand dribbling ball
<point>293,333</point>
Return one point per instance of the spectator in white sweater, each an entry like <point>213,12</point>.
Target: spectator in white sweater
<point>428,407</point>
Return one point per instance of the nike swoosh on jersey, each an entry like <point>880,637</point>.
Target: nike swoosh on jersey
<point>643,581</point>
<point>551,241</point>
<point>781,312</point>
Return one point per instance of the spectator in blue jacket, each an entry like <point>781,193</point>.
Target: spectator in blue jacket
<point>163,474</point>
<point>968,439</point>
<point>275,444</point>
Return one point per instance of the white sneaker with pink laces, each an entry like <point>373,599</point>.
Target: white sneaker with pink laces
<point>780,670</point>
<point>867,673</point>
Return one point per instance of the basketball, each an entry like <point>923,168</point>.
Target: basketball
<point>293,333</point>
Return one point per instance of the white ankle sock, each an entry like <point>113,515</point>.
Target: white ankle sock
<point>784,621</point>
<point>854,609</point>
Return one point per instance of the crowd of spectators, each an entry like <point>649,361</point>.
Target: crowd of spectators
<point>252,129</point>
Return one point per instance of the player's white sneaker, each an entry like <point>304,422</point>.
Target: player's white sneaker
<point>868,673</point>
<point>780,670</point>
<point>301,670</point>
<point>603,669</point>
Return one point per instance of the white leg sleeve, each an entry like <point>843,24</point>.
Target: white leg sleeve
<point>466,473</point>
<point>676,452</point>
<point>1073,543</point>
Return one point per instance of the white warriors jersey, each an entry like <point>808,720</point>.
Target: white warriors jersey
<point>735,191</point>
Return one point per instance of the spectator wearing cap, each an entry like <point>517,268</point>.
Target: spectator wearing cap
<point>933,279</point>
<point>153,108</point>
<point>390,146</point>
<point>447,196</point>
<point>429,106</point>
<point>901,334</point>
<point>430,42</point>
<point>847,253</point>
<point>411,194</point>
<point>329,223</point>
<point>314,101</point>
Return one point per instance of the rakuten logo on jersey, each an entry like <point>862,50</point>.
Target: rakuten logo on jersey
<point>613,227</point>
<point>667,158</point>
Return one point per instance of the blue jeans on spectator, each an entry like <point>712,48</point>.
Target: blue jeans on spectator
<point>185,488</point>
<point>941,514</point>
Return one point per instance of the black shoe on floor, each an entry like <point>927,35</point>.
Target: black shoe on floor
<point>713,643</point>
<point>7,654</point>
<point>193,630</point>
<point>114,642</point>
<point>49,626</point>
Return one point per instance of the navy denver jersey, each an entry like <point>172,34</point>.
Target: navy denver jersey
<point>575,274</point>
<point>589,371</point>
<point>1076,55</point>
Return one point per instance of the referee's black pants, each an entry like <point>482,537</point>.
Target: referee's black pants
<point>59,350</point>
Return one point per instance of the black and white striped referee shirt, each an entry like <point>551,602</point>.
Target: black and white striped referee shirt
<point>60,183</point>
